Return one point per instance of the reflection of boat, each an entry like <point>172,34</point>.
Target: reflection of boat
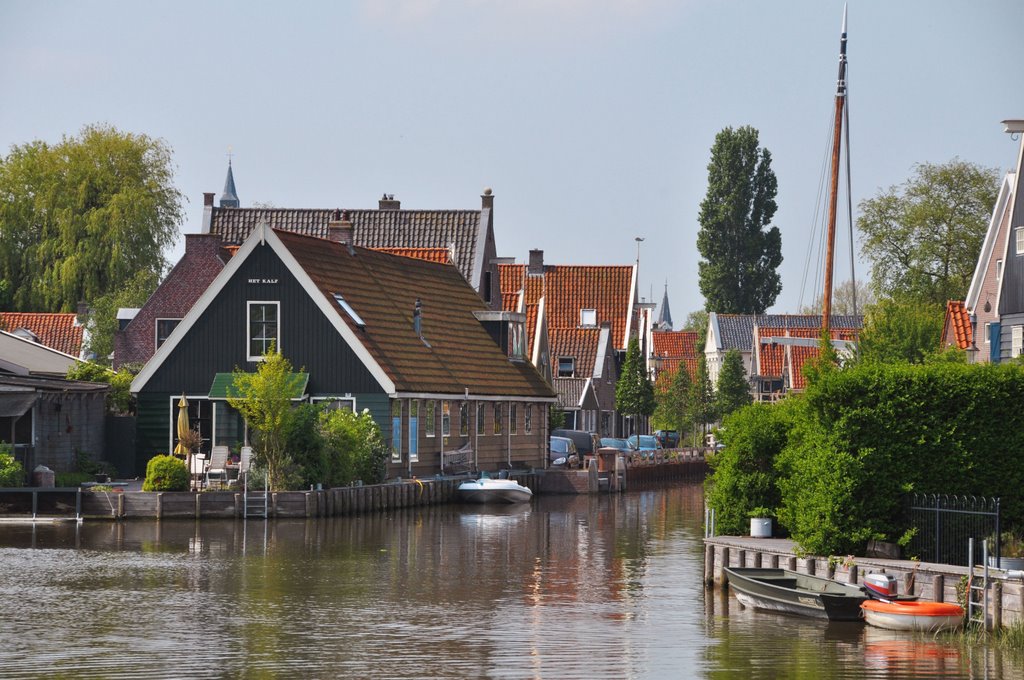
<point>793,593</point>
<point>919,615</point>
<point>487,490</point>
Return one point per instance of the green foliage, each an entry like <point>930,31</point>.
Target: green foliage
<point>81,218</point>
<point>739,258</point>
<point>306,446</point>
<point>733,389</point>
<point>70,479</point>
<point>119,398</point>
<point>12,473</point>
<point>556,418</point>
<point>263,400</point>
<point>744,476</point>
<point>673,409</point>
<point>166,473</point>
<point>701,402</point>
<point>634,394</point>
<point>697,321</point>
<point>102,323</point>
<point>923,237</point>
<point>844,297</point>
<point>354,446</point>
<point>900,331</point>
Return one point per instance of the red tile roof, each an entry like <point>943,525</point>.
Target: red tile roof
<point>57,331</point>
<point>672,349</point>
<point>438,255</point>
<point>774,360</point>
<point>956,329</point>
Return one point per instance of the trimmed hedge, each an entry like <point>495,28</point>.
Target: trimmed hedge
<point>859,439</point>
<point>166,473</point>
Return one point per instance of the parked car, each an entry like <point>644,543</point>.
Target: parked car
<point>562,452</point>
<point>669,438</point>
<point>586,442</point>
<point>616,443</point>
<point>644,442</point>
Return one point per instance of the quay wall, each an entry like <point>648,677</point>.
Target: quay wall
<point>929,581</point>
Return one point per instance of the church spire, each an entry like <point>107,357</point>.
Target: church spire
<point>665,316</point>
<point>229,198</point>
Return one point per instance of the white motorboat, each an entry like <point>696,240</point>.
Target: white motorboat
<point>487,490</point>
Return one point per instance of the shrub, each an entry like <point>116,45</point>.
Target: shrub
<point>166,473</point>
<point>306,445</point>
<point>68,479</point>
<point>12,473</point>
<point>744,475</point>
<point>354,447</point>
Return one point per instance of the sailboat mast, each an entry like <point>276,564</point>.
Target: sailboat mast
<point>826,310</point>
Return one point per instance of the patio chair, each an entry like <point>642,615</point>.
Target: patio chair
<point>198,471</point>
<point>244,463</point>
<point>218,467</point>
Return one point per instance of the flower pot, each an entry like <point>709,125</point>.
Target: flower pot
<point>1007,562</point>
<point>761,527</point>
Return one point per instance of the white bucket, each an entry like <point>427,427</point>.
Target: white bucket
<point>761,527</point>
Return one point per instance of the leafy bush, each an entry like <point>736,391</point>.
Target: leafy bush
<point>166,473</point>
<point>12,473</point>
<point>119,397</point>
<point>354,447</point>
<point>744,475</point>
<point>306,446</point>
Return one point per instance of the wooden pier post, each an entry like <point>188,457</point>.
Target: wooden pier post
<point>939,588</point>
<point>719,572</point>
<point>709,565</point>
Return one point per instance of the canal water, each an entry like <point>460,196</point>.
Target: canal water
<point>566,587</point>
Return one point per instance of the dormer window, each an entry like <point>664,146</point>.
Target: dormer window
<point>566,367</point>
<point>516,340</point>
<point>588,317</point>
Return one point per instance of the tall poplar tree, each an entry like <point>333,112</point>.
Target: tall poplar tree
<point>740,258</point>
<point>634,395</point>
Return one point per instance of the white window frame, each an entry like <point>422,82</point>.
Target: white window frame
<point>414,430</point>
<point>396,437</point>
<point>336,402</point>
<point>248,328</point>
<point>588,317</point>
<point>528,419</point>
<point>513,419</point>
<point>1016,341</point>
<point>499,414</point>
<point>1019,236</point>
<point>481,419</point>
<point>430,418</point>
<point>446,418</point>
<point>999,270</point>
<point>558,368</point>
<point>156,329</point>
<point>464,412</point>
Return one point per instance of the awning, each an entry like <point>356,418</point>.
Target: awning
<point>15,404</point>
<point>223,386</point>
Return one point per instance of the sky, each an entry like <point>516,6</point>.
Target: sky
<point>591,120</point>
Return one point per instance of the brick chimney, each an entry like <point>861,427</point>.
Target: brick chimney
<point>388,202</point>
<point>536,266</point>
<point>207,211</point>
<point>340,229</point>
<point>487,199</point>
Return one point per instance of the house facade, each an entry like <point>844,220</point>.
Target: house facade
<point>579,319</point>
<point>407,339</point>
<point>1005,334</point>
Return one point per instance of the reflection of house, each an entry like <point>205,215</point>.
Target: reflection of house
<point>49,420</point>
<point>775,368</point>
<point>405,338</point>
<point>994,305</point>
<point>579,321</point>
<point>59,331</point>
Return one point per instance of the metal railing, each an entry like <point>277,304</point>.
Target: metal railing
<point>945,523</point>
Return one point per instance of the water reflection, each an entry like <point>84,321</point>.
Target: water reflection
<point>566,587</point>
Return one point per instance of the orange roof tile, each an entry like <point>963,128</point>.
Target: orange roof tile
<point>438,255</point>
<point>58,331</point>
<point>674,343</point>
<point>958,320</point>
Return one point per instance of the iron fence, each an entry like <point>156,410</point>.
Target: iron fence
<point>944,523</point>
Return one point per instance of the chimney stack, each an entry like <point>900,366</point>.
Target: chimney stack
<point>208,198</point>
<point>486,199</point>
<point>340,229</point>
<point>388,202</point>
<point>536,266</point>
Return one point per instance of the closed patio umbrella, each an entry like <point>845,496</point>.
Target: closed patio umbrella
<point>181,449</point>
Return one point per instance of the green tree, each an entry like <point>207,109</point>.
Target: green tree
<point>923,237</point>
<point>119,398</point>
<point>702,402</point>
<point>263,400</point>
<point>634,395</point>
<point>556,418</point>
<point>697,321</point>
<point>672,411</point>
<point>739,258</point>
<point>900,331</point>
<point>102,322</point>
<point>733,389</point>
<point>355,448</point>
<point>81,218</point>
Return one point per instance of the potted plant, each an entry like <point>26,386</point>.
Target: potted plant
<point>1011,551</point>
<point>761,522</point>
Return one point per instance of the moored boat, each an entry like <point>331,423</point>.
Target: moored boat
<point>790,592</point>
<point>913,615</point>
<point>487,490</point>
